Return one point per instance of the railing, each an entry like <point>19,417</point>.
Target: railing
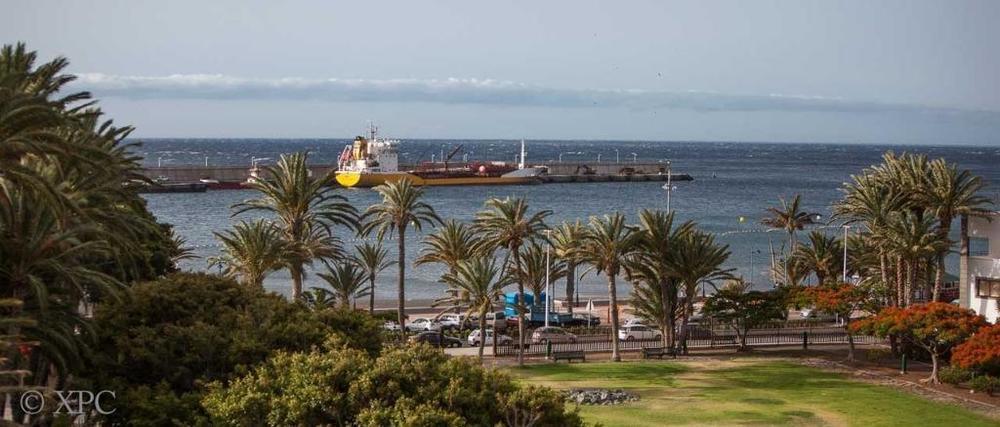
<point>595,343</point>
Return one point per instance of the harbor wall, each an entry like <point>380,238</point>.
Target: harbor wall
<point>558,172</point>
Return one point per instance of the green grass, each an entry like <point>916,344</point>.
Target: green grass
<point>745,391</point>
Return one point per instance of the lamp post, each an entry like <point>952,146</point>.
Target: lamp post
<point>159,162</point>
<point>617,158</point>
<point>846,227</point>
<point>598,157</point>
<point>548,291</point>
<point>634,157</point>
<point>669,186</point>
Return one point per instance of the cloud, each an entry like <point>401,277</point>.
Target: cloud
<point>484,92</point>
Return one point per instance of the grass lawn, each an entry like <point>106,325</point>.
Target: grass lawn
<point>744,391</point>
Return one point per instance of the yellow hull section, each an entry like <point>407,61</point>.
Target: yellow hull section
<point>365,180</point>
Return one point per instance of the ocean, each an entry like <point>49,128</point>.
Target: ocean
<point>731,180</point>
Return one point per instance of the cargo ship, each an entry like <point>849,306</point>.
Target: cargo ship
<point>372,161</point>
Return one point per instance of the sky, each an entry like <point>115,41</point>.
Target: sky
<point>908,72</point>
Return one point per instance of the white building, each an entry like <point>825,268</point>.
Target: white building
<point>980,267</point>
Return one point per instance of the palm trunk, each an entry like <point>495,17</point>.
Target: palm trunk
<point>296,271</point>
<point>521,306</point>
<point>666,321</point>
<point>672,312</point>
<point>371,294</point>
<point>686,317</point>
<point>482,333</point>
<point>613,294</point>
<point>883,268</point>
<point>908,286</point>
<point>570,284</point>
<point>850,337</point>
<point>900,293</point>
<point>944,230</point>
<point>401,295</point>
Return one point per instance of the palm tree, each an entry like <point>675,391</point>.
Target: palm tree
<point>402,206</point>
<point>251,251</point>
<point>306,210</point>
<point>566,239</point>
<point>348,282</point>
<point>949,193</point>
<point>477,284</point>
<point>788,217</point>
<point>652,264</point>
<point>449,245</point>
<point>606,248</point>
<point>822,256</point>
<point>870,200</point>
<point>319,299</point>
<point>372,258</point>
<point>913,238</point>
<point>697,261</point>
<point>533,268</point>
<point>506,224</point>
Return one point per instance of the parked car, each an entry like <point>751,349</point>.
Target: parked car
<point>436,339</point>
<point>497,320</point>
<point>552,334</point>
<point>638,332</point>
<point>453,321</point>
<point>423,324</point>
<point>634,321</point>
<point>391,326</point>
<point>474,338</point>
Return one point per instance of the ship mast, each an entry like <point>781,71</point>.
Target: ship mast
<point>521,164</point>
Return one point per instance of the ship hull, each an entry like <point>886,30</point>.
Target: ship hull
<point>366,180</point>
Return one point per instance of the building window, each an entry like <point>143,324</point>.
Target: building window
<point>979,246</point>
<point>987,288</point>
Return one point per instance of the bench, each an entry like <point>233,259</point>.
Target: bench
<point>658,352</point>
<point>568,356</point>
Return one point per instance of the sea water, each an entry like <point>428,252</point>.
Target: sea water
<point>731,180</point>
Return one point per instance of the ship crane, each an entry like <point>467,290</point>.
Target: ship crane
<point>452,154</point>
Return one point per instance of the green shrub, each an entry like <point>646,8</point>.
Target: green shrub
<point>954,375</point>
<point>164,339</point>
<point>412,385</point>
<point>985,384</point>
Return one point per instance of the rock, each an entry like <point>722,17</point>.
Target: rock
<point>599,396</point>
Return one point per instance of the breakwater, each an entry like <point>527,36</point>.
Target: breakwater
<point>558,172</point>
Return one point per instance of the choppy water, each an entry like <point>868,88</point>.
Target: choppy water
<point>731,180</point>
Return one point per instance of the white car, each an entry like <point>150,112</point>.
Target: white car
<point>635,321</point>
<point>452,321</point>
<point>423,324</point>
<point>391,326</point>
<point>501,339</point>
<point>638,332</point>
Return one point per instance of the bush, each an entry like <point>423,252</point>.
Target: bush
<point>954,375</point>
<point>413,385</point>
<point>985,384</point>
<point>981,352</point>
<point>166,338</point>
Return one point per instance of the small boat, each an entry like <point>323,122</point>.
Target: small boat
<point>373,161</point>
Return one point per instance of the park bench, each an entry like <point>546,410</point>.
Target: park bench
<point>569,356</point>
<point>658,352</point>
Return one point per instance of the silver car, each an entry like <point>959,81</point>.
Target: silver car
<point>553,335</point>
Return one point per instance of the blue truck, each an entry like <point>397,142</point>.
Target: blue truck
<point>536,311</point>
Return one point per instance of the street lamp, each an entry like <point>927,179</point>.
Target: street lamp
<point>634,157</point>
<point>159,162</point>
<point>617,158</point>
<point>548,291</point>
<point>846,227</point>
<point>598,157</point>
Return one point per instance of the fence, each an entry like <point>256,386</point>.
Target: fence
<point>756,338</point>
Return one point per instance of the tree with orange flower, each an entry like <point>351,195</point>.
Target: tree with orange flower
<point>981,352</point>
<point>843,300</point>
<point>935,327</point>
